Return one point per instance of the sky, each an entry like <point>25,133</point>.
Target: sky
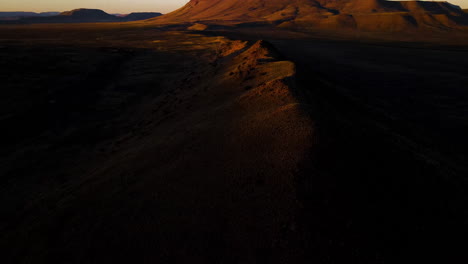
<point>111,6</point>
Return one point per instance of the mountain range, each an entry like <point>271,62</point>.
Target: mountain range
<point>19,15</point>
<point>81,15</point>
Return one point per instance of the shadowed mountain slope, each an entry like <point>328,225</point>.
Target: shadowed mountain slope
<point>371,15</point>
<point>140,16</point>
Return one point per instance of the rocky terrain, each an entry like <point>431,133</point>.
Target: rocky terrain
<point>367,15</point>
<point>123,121</point>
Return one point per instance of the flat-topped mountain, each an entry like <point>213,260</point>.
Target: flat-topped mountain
<point>360,14</point>
<point>88,14</point>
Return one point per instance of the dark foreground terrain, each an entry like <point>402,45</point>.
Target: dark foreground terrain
<point>391,161</point>
<point>138,144</point>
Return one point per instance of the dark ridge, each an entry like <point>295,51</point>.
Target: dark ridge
<point>141,16</point>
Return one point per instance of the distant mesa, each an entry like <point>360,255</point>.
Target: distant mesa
<point>367,15</point>
<point>81,15</point>
<point>87,14</point>
<point>83,12</point>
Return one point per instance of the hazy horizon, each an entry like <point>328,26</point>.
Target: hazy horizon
<point>121,6</point>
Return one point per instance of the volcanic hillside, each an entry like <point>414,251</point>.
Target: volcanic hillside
<point>370,15</point>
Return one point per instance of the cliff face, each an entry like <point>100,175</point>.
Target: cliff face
<point>372,15</point>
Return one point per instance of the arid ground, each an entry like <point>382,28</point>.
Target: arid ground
<point>141,143</point>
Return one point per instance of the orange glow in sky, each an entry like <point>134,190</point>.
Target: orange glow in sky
<point>110,6</point>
